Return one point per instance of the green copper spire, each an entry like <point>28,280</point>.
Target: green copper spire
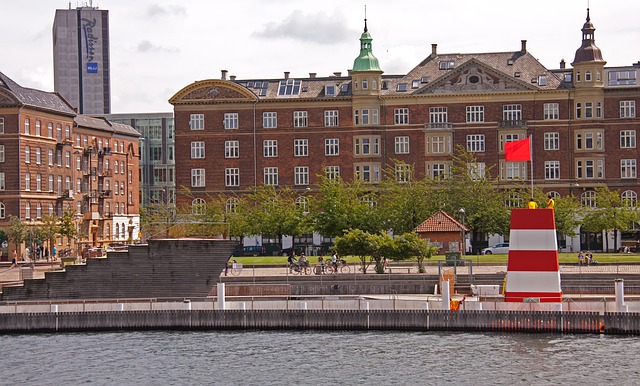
<point>366,61</point>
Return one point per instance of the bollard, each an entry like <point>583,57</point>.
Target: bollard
<point>120,307</point>
<point>221,300</point>
<point>187,304</point>
<point>446,296</point>
<point>54,308</point>
<point>619,287</point>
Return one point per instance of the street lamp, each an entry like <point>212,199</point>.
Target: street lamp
<point>462,236</point>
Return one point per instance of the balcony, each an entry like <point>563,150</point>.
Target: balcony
<point>66,195</point>
<point>438,126</point>
<point>105,194</point>
<point>106,173</point>
<point>108,215</point>
<point>104,152</point>
<point>513,124</point>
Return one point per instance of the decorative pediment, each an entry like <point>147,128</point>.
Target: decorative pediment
<point>212,91</point>
<point>474,77</point>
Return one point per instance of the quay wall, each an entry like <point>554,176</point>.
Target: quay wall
<point>412,320</point>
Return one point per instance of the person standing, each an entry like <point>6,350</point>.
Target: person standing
<point>14,259</point>
<point>334,261</point>
<point>550,203</point>
<point>532,204</point>
<point>54,253</point>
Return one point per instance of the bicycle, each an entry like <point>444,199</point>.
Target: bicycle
<point>298,269</point>
<point>236,269</point>
<point>342,267</point>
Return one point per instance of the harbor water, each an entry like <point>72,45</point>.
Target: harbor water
<point>317,358</point>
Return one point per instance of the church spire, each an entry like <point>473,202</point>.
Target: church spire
<point>588,52</point>
<point>366,61</point>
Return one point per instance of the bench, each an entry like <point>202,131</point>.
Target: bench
<point>391,269</point>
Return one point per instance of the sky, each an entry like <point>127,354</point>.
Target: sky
<point>160,46</point>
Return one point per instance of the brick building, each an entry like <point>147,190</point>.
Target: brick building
<point>53,160</point>
<point>233,134</point>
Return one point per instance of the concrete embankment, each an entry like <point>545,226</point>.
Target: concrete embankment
<point>414,320</point>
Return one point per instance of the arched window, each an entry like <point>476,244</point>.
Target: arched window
<point>231,206</point>
<point>588,198</point>
<point>117,230</point>
<point>629,198</point>
<point>198,206</point>
<point>301,203</point>
<point>553,194</point>
<point>2,210</point>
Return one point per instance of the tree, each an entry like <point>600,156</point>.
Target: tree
<point>411,245</point>
<point>356,242</point>
<point>18,231</point>
<point>610,213</point>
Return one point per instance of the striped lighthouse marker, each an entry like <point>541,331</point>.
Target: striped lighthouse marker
<point>533,272</point>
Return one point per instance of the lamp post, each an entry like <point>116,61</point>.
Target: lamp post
<point>463,245</point>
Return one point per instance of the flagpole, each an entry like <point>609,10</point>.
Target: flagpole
<point>531,161</point>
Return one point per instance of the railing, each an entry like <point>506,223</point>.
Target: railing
<point>513,124</point>
<point>438,125</point>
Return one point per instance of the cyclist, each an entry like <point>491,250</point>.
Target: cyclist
<point>302,261</point>
<point>321,262</point>
<point>292,262</point>
<point>334,261</point>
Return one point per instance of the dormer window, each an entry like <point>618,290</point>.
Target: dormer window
<point>415,83</point>
<point>446,64</point>
<point>289,87</point>
<point>402,87</point>
<point>330,90</point>
<point>424,79</point>
<point>568,77</point>
<point>344,87</point>
<point>542,80</point>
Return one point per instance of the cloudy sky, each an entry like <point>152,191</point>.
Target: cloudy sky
<point>160,46</point>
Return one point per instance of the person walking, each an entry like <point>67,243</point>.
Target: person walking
<point>550,203</point>
<point>14,259</point>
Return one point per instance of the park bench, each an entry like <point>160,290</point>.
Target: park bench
<point>391,269</point>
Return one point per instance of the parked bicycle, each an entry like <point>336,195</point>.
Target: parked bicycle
<point>342,267</point>
<point>299,269</point>
<point>236,268</point>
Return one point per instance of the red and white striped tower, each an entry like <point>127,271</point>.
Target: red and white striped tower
<point>533,271</point>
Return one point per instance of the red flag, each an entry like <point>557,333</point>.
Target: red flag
<point>518,150</point>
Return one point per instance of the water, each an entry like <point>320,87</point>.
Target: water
<point>317,358</point>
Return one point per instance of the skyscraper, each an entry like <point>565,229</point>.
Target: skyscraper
<point>81,67</point>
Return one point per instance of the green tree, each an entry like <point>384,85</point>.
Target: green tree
<point>411,245</point>
<point>18,231</point>
<point>356,242</point>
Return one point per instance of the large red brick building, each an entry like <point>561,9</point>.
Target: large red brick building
<point>233,134</point>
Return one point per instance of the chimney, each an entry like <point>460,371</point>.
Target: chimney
<point>524,46</point>
<point>434,49</point>
<point>232,77</point>
<point>562,64</point>
<point>312,75</point>
<point>286,74</point>
<point>224,74</point>
<point>338,74</point>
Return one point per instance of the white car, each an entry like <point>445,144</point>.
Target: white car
<point>496,249</point>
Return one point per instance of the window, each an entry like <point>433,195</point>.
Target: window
<point>552,170</point>
<point>198,207</point>
<point>232,177</point>
<point>50,188</point>
<point>513,170</point>
<point>437,170</point>
<point>1,125</point>
<point>196,122</point>
<point>231,149</point>
<point>115,167</point>
<point>2,181</point>
<point>27,126</point>
<point>38,182</point>
<point>50,130</point>
<point>1,153</point>
<point>332,146</point>
<point>587,76</point>
<point>551,141</point>
<point>231,120</point>
<point>365,116</point>
<point>578,110</point>
<point>508,137</point>
<point>365,84</point>
<point>401,116</point>
<point>402,145</point>
<point>401,87</point>
<point>300,119</point>
<point>27,210</point>
<point>2,210</point>
<point>50,157</point>
<point>627,109</point>
<point>475,143</point>
<point>512,112</point>
<point>617,78</point>
<point>302,204</point>
<point>197,149</point>
<point>38,156</point>
<point>542,80</point>
<point>58,157</point>
<point>329,90</point>
<point>197,178</point>
<point>27,181</point>
<point>332,172</point>
<point>628,168</point>
<point>438,115</point>
<point>301,175</point>
<point>300,147</point>
<point>438,144</point>
<point>403,172</point>
<point>231,206</point>
<point>289,87</point>
<point>67,159</point>
<point>589,140</point>
<point>476,170</point>
<point>271,176</point>
<point>551,111</point>
<point>367,172</point>
<point>38,124</point>
<point>628,139</point>
<point>331,118</point>
<point>270,148</point>
<point>269,120</point>
<point>475,114</point>
<point>629,198</point>
<point>446,64</point>
<point>588,199</point>
<point>369,116</point>
<point>599,110</point>
<point>366,145</point>
<point>27,154</point>
<point>589,168</point>
<point>588,109</point>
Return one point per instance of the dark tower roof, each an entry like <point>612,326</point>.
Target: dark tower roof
<point>588,52</point>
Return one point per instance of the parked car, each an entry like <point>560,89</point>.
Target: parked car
<point>291,250</point>
<point>496,249</point>
<point>249,250</point>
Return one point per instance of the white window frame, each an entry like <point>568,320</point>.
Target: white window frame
<point>588,140</point>
<point>197,150</point>
<point>196,122</point>
<point>269,120</point>
<point>627,139</point>
<point>589,168</point>
<point>2,182</point>
<point>367,172</point>
<point>402,144</point>
<point>232,177</point>
<point>475,143</point>
<point>332,146</point>
<point>270,148</point>
<point>301,147</point>
<point>628,168</point>
<point>437,170</point>
<point>403,172</point>
<point>230,120</point>
<point>271,175</point>
<point>438,115</point>
<point>332,172</point>
<point>231,149</point>
<point>1,153</point>
<point>627,109</point>
<point>198,178</point>
<point>552,170</point>
<point>551,111</point>
<point>401,116</point>
<point>301,175</point>
<point>552,141</point>
<point>475,114</point>
<point>510,171</point>
<point>512,112</point>
<point>331,118</point>
<point>366,145</point>
<point>300,119</point>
